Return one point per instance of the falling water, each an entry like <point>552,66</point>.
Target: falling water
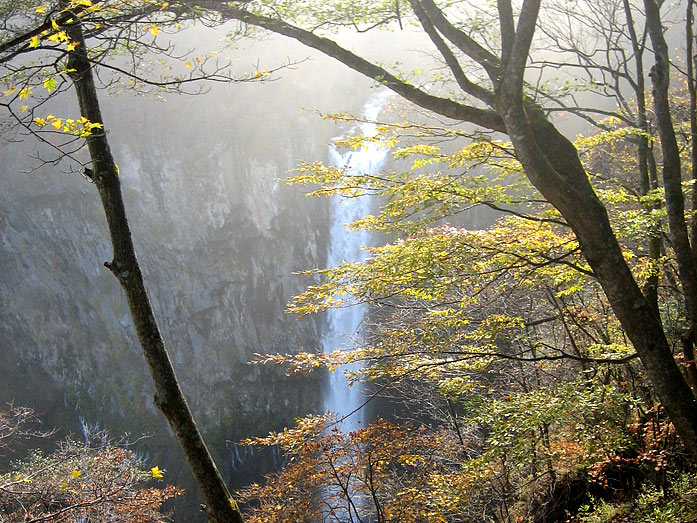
<point>343,324</point>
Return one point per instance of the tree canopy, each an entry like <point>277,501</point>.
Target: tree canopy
<point>549,343</point>
<point>516,335</point>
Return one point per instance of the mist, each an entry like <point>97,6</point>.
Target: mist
<point>220,237</point>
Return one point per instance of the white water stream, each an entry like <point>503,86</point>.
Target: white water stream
<point>344,324</point>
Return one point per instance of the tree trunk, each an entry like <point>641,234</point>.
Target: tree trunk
<point>672,181</point>
<point>691,61</point>
<point>558,174</point>
<point>221,508</point>
<point>573,196</point>
<point>646,165</point>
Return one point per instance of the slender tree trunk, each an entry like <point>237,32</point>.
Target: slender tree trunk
<point>691,60</point>
<point>221,508</point>
<point>672,181</point>
<point>672,176</point>
<point>644,160</point>
<point>690,338</point>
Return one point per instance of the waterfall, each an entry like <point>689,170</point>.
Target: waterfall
<point>344,245</point>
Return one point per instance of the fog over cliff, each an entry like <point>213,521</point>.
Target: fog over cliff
<point>219,237</point>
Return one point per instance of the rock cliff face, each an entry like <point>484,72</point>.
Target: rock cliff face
<point>218,236</point>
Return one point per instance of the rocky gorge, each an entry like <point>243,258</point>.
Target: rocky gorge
<point>219,237</point>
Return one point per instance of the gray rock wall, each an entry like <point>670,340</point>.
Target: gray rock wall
<point>219,238</point>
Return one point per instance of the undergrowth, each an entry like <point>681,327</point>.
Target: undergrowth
<point>676,503</point>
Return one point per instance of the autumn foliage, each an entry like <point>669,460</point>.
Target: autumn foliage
<point>93,480</point>
<point>527,395</point>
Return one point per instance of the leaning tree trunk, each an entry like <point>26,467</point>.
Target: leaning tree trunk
<point>558,174</point>
<point>221,508</point>
<point>567,188</point>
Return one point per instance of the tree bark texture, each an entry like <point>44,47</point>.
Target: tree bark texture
<point>221,508</point>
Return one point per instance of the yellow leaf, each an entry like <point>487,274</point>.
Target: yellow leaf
<point>24,93</point>
<point>40,9</point>
<point>40,122</point>
<point>64,487</point>
<point>188,64</point>
<point>75,473</point>
<point>156,472</point>
<point>54,25</point>
<point>58,124</point>
<point>34,42</point>
<point>155,30</point>
<point>24,108</point>
<point>72,45</point>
